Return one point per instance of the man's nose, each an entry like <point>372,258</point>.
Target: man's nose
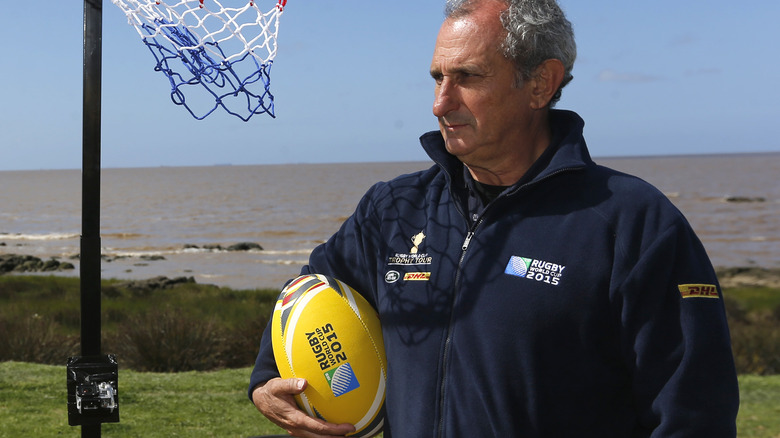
<point>445,98</point>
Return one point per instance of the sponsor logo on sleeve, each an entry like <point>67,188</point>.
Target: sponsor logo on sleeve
<point>698,290</point>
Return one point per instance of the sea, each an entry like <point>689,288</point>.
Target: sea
<point>179,221</point>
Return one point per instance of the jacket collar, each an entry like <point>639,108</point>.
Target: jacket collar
<point>567,150</point>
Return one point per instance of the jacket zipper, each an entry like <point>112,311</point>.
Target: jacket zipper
<point>447,341</point>
<point>464,248</point>
<point>466,243</point>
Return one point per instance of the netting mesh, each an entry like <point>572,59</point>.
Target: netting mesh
<point>218,56</point>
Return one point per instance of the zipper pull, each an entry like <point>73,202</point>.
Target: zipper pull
<point>467,241</point>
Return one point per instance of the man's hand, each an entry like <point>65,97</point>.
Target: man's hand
<point>275,399</point>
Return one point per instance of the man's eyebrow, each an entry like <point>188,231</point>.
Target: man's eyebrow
<point>461,70</point>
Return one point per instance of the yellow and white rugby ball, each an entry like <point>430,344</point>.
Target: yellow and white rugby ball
<point>325,332</point>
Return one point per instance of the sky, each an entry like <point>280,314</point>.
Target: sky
<point>351,84</point>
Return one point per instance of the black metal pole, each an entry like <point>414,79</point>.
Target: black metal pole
<point>90,189</point>
<point>92,378</point>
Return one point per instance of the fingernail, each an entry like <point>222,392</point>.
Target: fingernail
<point>299,384</point>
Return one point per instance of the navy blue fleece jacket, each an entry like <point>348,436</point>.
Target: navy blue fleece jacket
<point>577,303</point>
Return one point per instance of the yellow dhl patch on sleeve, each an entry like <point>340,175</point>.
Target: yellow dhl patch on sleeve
<point>698,290</point>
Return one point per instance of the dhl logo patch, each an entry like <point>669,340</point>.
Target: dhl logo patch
<point>417,276</point>
<point>698,290</point>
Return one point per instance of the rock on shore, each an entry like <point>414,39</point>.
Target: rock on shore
<point>28,263</point>
<point>155,283</point>
<point>241,246</point>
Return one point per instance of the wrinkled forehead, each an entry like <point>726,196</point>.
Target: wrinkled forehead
<point>468,38</point>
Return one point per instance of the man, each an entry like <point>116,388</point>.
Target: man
<point>562,298</point>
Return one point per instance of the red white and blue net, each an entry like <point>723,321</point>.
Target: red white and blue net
<point>213,55</point>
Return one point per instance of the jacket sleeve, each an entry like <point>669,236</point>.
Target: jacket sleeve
<point>346,256</point>
<point>675,337</point>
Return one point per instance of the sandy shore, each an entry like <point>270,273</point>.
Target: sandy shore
<point>746,277</point>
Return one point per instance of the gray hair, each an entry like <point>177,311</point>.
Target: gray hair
<point>537,30</point>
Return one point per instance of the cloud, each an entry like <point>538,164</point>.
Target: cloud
<point>608,75</point>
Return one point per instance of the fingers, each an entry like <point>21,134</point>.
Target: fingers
<point>275,399</point>
<point>316,428</point>
<point>289,386</point>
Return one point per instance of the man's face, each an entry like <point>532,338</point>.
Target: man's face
<point>480,109</point>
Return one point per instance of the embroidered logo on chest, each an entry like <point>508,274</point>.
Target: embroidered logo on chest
<point>534,269</point>
<point>414,256</point>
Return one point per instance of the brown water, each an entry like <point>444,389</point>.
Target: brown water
<point>289,209</point>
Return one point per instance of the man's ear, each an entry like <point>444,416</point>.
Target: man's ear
<point>546,80</point>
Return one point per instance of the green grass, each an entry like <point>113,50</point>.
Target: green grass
<point>755,298</point>
<point>759,412</point>
<point>186,327</point>
<point>59,298</point>
<point>33,402</point>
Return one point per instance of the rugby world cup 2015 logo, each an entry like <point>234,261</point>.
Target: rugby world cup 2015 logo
<point>518,266</point>
<point>342,379</point>
<point>534,269</point>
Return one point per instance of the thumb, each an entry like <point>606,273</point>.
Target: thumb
<point>296,386</point>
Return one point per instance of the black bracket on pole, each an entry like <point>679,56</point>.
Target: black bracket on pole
<point>92,377</point>
<point>93,391</point>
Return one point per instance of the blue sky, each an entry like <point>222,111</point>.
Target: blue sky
<point>351,84</point>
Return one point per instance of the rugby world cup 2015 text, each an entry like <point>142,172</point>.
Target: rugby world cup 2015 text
<point>326,347</point>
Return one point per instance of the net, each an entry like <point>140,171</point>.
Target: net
<point>213,55</point>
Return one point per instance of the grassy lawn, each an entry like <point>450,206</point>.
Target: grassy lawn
<point>214,404</point>
<point>33,402</point>
<point>759,412</point>
<point>755,298</point>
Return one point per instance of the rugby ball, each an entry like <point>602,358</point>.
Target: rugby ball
<point>327,333</point>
